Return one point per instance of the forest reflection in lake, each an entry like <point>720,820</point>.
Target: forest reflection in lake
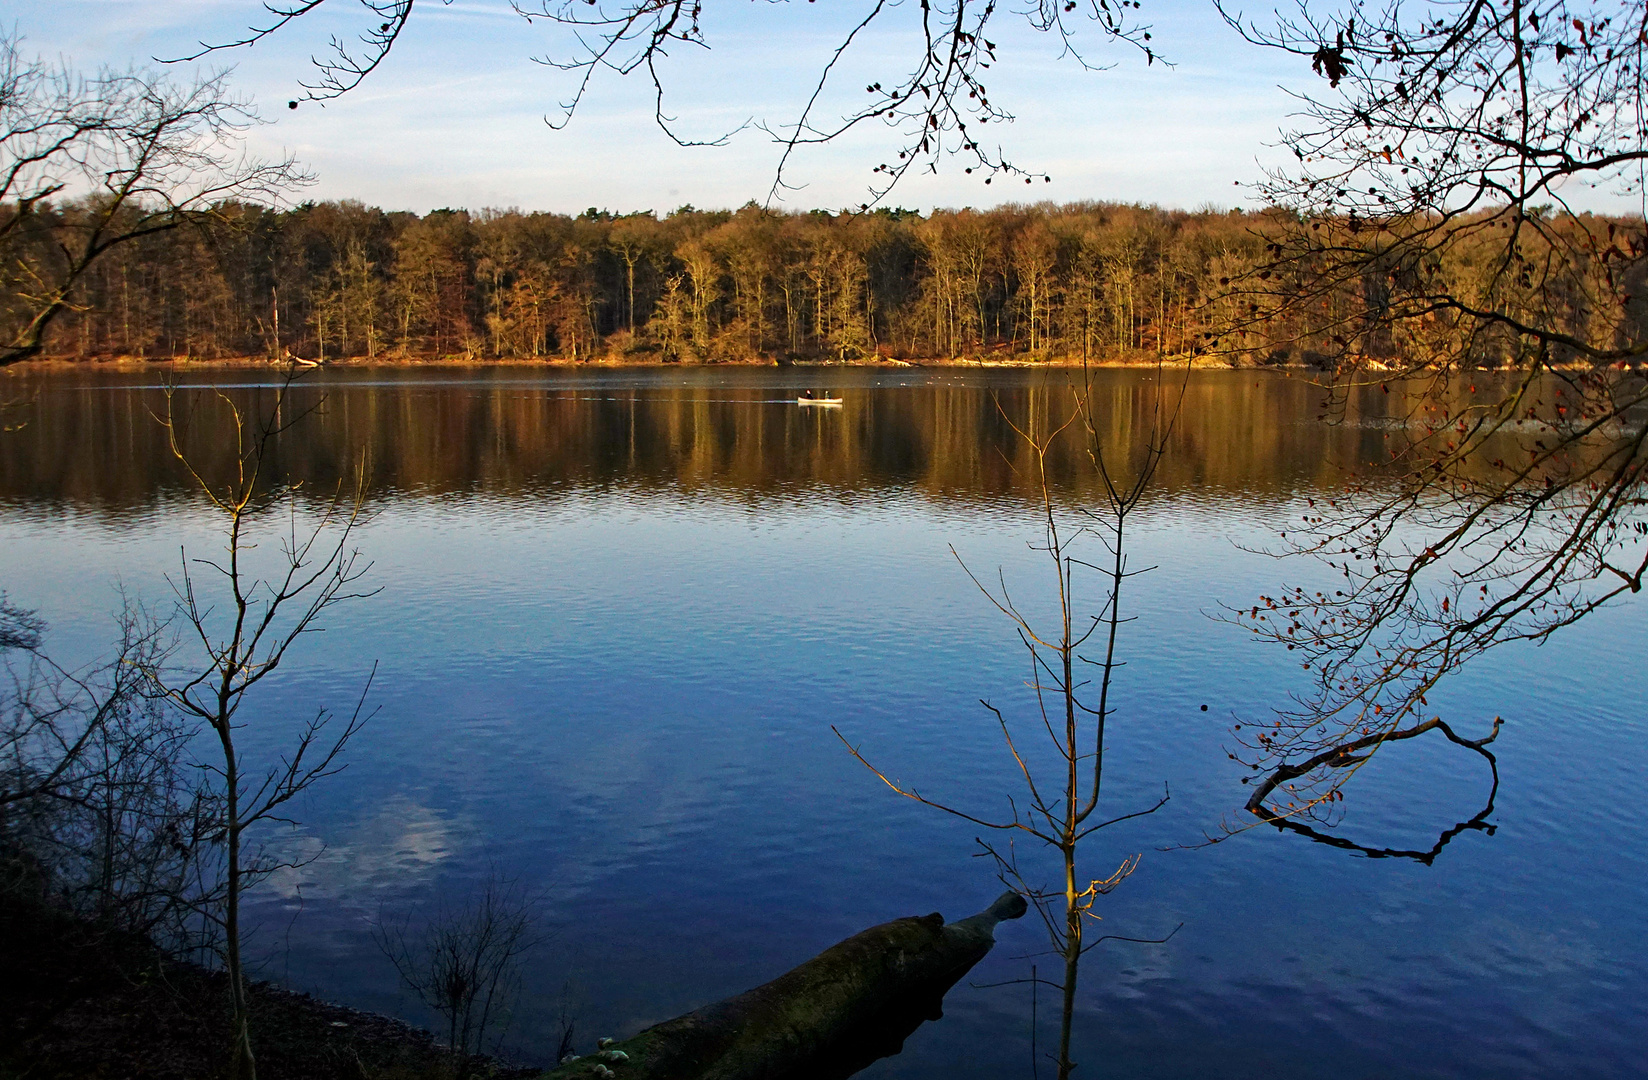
<point>92,437</point>
<point>620,610</point>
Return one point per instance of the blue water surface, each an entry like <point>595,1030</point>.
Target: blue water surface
<point>616,682</point>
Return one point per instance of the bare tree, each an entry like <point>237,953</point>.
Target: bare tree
<point>99,809</point>
<point>1062,810</point>
<point>1429,236</point>
<point>242,621</point>
<point>937,106</point>
<point>464,963</point>
<point>90,163</point>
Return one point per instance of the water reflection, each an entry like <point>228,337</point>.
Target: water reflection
<point>91,438</point>
<point>1353,755</point>
<point>401,844</point>
<point>1477,823</point>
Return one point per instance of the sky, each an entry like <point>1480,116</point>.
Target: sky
<point>456,116</point>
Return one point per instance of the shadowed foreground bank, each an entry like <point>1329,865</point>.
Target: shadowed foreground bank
<point>78,1002</point>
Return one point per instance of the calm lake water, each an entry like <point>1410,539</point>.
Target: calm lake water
<point>619,611</point>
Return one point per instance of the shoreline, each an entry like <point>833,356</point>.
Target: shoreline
<point>143,363</point>
<point>85,1002</point>
<point>1367,368</point>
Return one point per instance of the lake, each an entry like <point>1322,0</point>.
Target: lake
<point>619,611</point>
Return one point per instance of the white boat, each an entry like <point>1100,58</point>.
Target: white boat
<point>819,401</point>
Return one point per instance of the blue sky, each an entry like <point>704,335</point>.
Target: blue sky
<point>456,117</point>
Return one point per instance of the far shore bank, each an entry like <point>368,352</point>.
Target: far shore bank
<point>138,363</point>
<point>1366,369</point>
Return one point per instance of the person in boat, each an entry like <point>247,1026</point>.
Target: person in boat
<point>808,394</point>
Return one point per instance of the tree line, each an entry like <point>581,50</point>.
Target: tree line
<point>1090,282</point>
<point>335,279</point>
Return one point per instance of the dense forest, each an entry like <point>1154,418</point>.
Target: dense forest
<point>1090,282</point>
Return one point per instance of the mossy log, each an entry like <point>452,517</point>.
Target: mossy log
<point>850,1005</point>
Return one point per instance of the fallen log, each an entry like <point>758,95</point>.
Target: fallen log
<point>852,1004</point>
